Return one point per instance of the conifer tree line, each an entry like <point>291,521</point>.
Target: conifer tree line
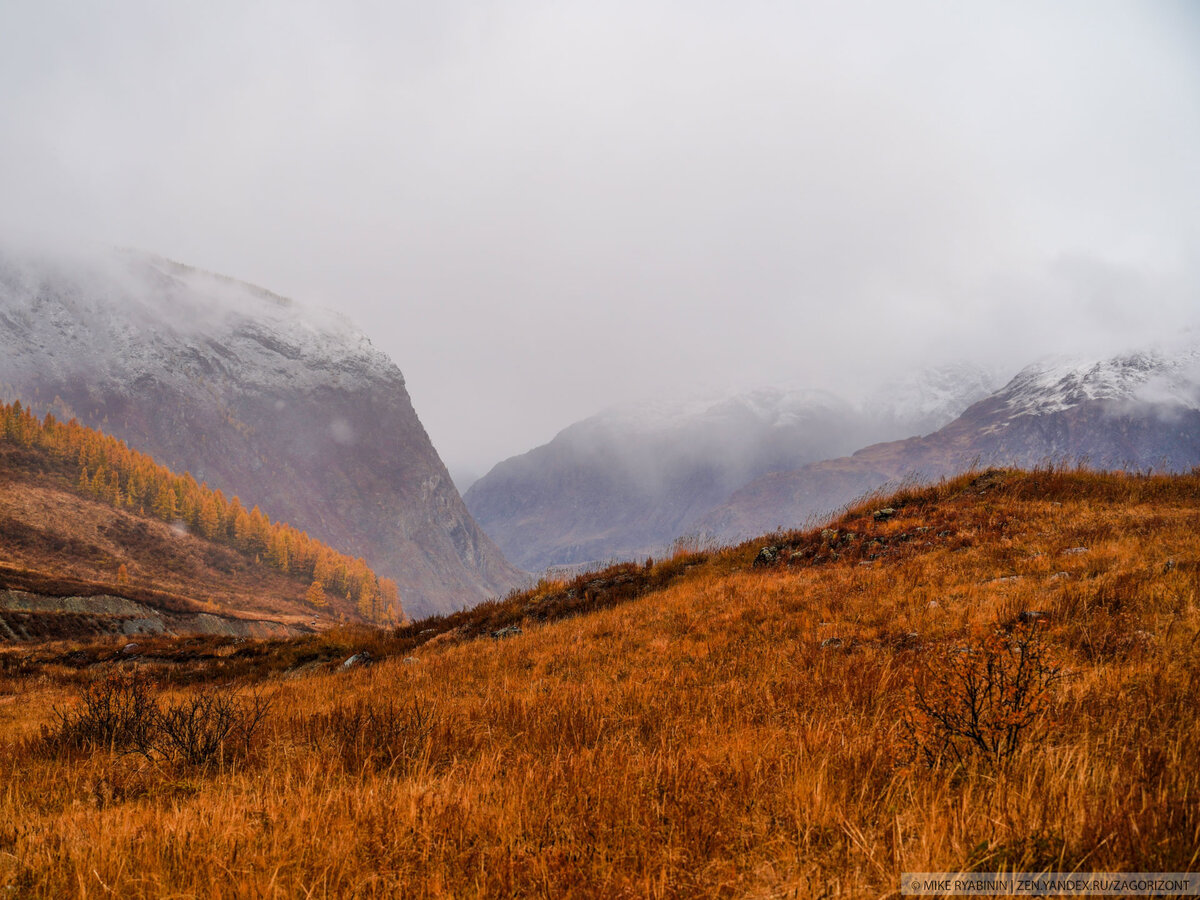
<point>106,469</point>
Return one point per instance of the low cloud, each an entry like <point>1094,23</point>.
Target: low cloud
<point>540,210</point>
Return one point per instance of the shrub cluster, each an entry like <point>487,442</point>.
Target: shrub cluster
<point>121,714</point>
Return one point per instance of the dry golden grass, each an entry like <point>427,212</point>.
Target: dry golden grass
<point>696,741</point>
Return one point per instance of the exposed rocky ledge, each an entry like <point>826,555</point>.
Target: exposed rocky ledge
<point>27,616</point>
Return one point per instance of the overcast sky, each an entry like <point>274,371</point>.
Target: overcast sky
<point>539,208</point>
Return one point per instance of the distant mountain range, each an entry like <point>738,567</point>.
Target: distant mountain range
<point>627,482</point>
<point>290,409</point>
<point>1137,411</point>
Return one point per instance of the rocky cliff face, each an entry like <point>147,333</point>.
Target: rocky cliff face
<point>290,409</point>
<point>629,481</point>
<point>1138,411</point>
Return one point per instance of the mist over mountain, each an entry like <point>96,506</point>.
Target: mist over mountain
<point>923,400</point>
<point>290,409</point>
<point>1138,411</point>
<point>630,480</point>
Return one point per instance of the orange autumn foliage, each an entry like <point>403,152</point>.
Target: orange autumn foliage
<point>105,468</point>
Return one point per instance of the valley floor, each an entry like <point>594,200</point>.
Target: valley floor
<point>740,724</point>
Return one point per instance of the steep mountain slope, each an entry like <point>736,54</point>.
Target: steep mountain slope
<point>1138,411</point>
<point>627,482</point>
<point>290,409</point>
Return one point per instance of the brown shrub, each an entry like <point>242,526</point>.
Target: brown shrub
<point>121,714</point>
<point>984,699</point>
<point>117,713</point>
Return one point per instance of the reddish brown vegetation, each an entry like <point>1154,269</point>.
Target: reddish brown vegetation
<point>703,726</point>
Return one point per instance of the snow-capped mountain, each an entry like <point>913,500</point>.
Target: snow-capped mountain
<point>1157,375</point>
<point>1138,411</point>
<point>288,408</point>
<point>774,407</point>
<point>626,482</point>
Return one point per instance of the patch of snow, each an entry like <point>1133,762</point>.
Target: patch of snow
<point>919,401</point>
<point>766,407</point>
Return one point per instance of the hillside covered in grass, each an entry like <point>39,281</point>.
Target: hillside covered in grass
<point>84,516</point>
<point>1000,672</point>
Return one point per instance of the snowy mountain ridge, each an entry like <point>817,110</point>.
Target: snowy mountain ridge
<point>925,399</point>
<point>1138,411</point>
<point>626,482</point>
<point>1155,375</point>
<point>768,406</point>
<point>148,316</point>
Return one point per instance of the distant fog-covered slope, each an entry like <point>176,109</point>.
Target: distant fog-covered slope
<point>1136,411</point>
<point>630,480</point>
<point>289,408</point>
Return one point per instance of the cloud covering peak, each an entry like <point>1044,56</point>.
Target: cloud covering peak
<point>540,210</point>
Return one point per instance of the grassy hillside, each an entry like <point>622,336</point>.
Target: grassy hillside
<point>134,530</point>
<point>781,719</point>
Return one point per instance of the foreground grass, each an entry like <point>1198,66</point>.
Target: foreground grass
<point>704,739</point>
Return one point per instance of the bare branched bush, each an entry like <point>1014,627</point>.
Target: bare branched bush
<point>982,700</point>
<point>117,712</point>
<point>198,729</point>
<point>121,714</point>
